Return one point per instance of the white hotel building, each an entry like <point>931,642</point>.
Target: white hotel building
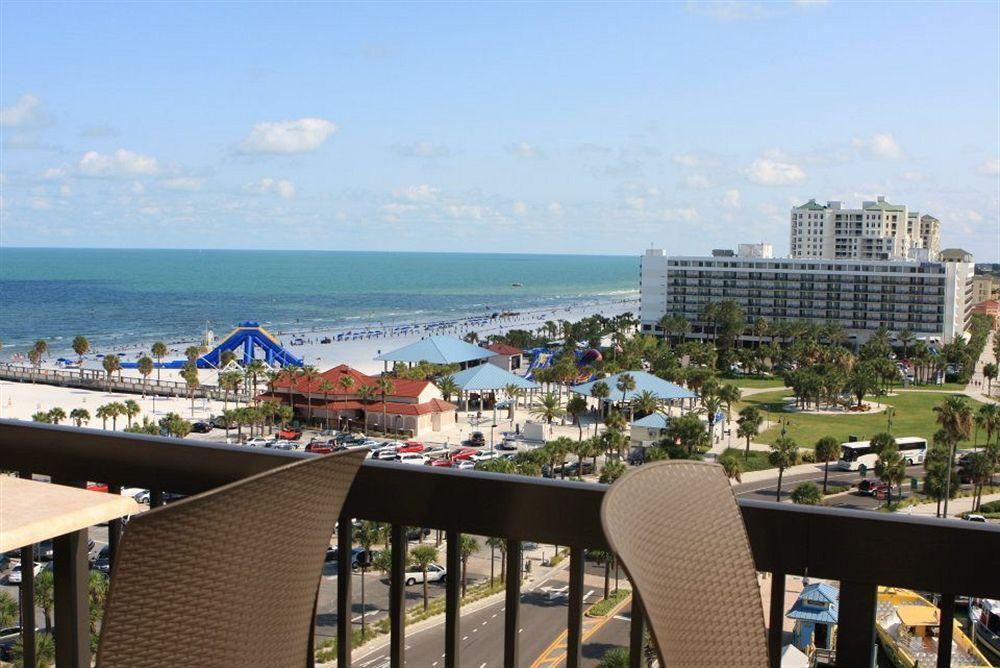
<point>877,231</point>
<point>931,299</point>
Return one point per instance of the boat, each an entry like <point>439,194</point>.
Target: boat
<point>908,630</point>
<point>517,285</point>
<point>984,615</point>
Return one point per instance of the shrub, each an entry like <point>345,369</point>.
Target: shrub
<point>807,493</point>
<point>616,657</point>
<point>606,605</point>
<point>808,457</point>
<point>990,507</point>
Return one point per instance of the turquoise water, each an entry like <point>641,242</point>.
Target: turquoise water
<point>119,297</point>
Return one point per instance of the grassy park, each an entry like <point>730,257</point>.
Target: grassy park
<point>914,416</point>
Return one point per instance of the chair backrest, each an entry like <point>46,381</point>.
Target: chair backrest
<point>228,577</point>
<point>679,534</point>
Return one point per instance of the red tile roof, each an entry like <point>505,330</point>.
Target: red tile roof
<point>391,407</point>
<point>504,349</point>
<point>403,387</point>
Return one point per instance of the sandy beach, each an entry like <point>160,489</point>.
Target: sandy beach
<point>357,348</point>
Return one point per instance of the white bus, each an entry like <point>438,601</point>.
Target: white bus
<point>854,455</point>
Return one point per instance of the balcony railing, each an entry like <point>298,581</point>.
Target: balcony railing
<point>860,549</point>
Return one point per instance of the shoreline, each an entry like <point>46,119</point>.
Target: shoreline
<point>358,345</point>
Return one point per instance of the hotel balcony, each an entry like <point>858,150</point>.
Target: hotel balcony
<point>861,550</point>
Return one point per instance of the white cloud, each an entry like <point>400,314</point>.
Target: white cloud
<point>520,208</point>
<point>914,176</point>
<point>766,172</point>
<point>525,150</point>
<point>121,163</point>
<point>54,173</point>
<point>417,193</point>
<point>694,160</point>
<point>286,137</point>
<point>731,199</point>
<point>421,149</point>
<point>744,10</point>
<point>39,204</point>
<point>190,183</point>
<point>465,211</point>
<point>27,112</point>
<point>697,181</point>
<point>267,186</point>
<point>881,146</point>
<point>556,209</point>
<point>679,214</point>
<point>990,167</point>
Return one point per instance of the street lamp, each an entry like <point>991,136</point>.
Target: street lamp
<point>492,427</point>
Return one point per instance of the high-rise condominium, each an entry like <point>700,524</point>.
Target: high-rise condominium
<point>877,231</point>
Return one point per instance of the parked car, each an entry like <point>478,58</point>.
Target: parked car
<point>290,434</point>
<point>410,446</point>
<point>435,573</point>
<point>509,445</point>
<point>259,442</point>
<point>972,517</point>
<point>97,487</point>
<point>319,447</point>
<point>483,455</point>
<point>413,459</point>
<point>142,496</point>
<point>16,573</point>
<point>102,561</point>
<point>463,453</point>
<point>9,635</point>
<point>415,533</point>
<point>477,439</point>
<point>465,464</point>
<point>873,487</point>
<point>201,427</point>
<point>388,453</point>
<point>43,550</point>
<point>443,462</point>
<point>218,422</point>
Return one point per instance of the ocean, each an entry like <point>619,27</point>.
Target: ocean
<point>119,297</point>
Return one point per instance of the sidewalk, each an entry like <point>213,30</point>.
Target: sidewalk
<point>956,507</point>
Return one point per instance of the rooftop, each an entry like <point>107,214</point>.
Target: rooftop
<point>437,350</point>
<point>662,389</point>
<point>490,377</point>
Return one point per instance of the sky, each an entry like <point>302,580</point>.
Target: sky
<point>516,127</point>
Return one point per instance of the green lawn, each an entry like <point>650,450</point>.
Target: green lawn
<point>914,417</point>
<point>754,383</point>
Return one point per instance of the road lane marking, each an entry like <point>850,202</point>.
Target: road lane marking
<point>555,653</point>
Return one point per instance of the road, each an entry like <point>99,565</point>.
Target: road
<point>764,490</point>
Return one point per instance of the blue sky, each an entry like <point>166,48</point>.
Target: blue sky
<point>569,127</point>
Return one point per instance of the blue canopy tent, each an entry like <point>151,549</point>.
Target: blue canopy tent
<point>438,350</point>
<point>488,378</point>
<point>663,390</point>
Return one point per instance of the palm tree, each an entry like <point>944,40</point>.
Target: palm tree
<point>385,387</point>
<point>713,406</point>
<point>44,595</point>
<point>159,349</point>
<point>989,373</point>
<point>625,384</point>
<point>468,547</point>
<point>79,416</point>
<point>309,375</point>
<point>497,543</point>
<point>131,409</point>
<point>906,337</point>
<point>40,347</point>
<point>56,415</point>
<point>955,418</point>
<point>644,403</point>
<point>117,409</point>
<point>749,425</point>
<point>192,353</point>
<point>577,406</point>
<point>103,412</point>
<point>807,494</point>
<point>890,469</point>
<point>111,363</point>
<point>732,465</point>
<point>729,394</point>
<point>145,367</point>
<point>367,534</point>
<point>548,408</point>
<point>601,392</point>
<point>190,376</point>
<point>81,346</point>
<point>988,418</point>
<point>827,449</point>
<point>513,392</point>
<point>423,556</point>
<point>447,386</point>
<point>783,455</point>
<point>42,417</point>
<point>325,386</point>
<point>8,609</point>
<point>367,394</point>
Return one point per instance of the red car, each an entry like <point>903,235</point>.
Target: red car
<point>97,486</point>
<point>447,463</point>
<point>319,448</point>
<point>290,434</point>
<point>410,446</point>
<point>463,453</point>
<point>873,487</point>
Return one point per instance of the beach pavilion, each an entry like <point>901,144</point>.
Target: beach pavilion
<point>665,391</point>
<point>438,350</point>
<point>488,378</point>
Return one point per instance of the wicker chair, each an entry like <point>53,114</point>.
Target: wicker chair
<point>228,577</point>
<point>679,534</point>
